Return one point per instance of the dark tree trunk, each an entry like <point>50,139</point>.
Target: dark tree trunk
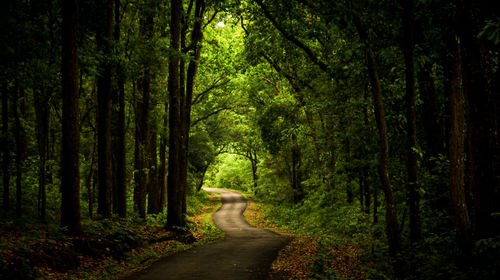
<point>298,192</point>
<point>484,151</point>
<point>119,155</point>
<point>431,113</point>
<point>453,86</point>
<point>375,204</point>
<point>5,148</point>
<point>196,39</point>
<point>104,119</point>
<point>154,190</point>
<point>200,184</point>
<point>366,188</point>
<point>70,173</point>
<point>175,216</point>
<point>90,177</point>
<point>392,225</point>
<point>143,125</point>
<point>142,131</point>
<point>411,120</point>
<point>254,161</point>
<point>19,136</point>
<point>162,179</point>
<point>42,111</point>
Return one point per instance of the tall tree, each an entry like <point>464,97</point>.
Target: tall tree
<point>142,118</point>
<point>187,96</point>
<point>118,130</point>
<point>20,139</point>
<point>70,166</point>
<point>175,216</point>
<point>5,147</point>
<point>411,120</point>
<point>453,85</point>
<point>391,218</point>
<point>104,114</point>
<point>42,110</point>
<point>482,117</point>
<point>154,190</point>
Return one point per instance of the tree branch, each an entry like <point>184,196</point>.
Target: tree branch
<point>294,40</point>
<point>194,123</point>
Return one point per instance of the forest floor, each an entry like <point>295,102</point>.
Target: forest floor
<point>304,257</point>
<point>106,248</point>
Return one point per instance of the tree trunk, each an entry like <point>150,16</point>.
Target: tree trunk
<point>42,111</point>
<point>392,225</point>
<point>298,192</point>
<point>70,173</point>
<point>175,218</point>
<point>119,155</point>
<point>162,179</point>
<point>104,119</point>
<point>90,180</point>
<point>5,147</point>
<point>254,161</point>
<point>142,124</point>
<point>200,184</point>
<point>484,151</point>
<point>431,113</point>
<point>453,86</point>
<point>154,190</point>
<point>375,204</point>
<point>19,136</point>
<point>411,121</point>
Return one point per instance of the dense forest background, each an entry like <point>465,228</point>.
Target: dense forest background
<point>365,122</point>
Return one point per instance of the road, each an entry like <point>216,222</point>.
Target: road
<point>246,252</point>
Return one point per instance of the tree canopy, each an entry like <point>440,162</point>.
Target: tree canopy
<point>364,122</point>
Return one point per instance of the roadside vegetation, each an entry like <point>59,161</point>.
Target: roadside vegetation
<point>106,248</point>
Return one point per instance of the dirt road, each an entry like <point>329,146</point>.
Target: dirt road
<point>245,253</point>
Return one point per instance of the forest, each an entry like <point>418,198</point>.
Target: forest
<point>367,128</point>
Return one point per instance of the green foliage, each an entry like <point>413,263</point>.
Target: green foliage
<point>233,172</point>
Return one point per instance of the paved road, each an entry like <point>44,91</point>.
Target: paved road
<point>245,253</point>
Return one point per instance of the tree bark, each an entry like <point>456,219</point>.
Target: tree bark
<point>5,148</point>
<point>42,111</point>
<point>484,151</point>
<point>19,136</point>
<point>154,190</point>
<point>162,179</point>
<point>453,86</point>
<point>392,224</point>
<point>70,173</point>
<point>143,125</point>
<point>196,39</point>
<point>175,218</point>
<point>90,177</point>
<point>119,155</point>
<point>104,119</point>
<point>254,161</point>
<point>411,121</point>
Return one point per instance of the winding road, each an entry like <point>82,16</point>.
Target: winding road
<point>245,253</point>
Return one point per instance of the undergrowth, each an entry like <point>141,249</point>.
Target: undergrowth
<point>30,249</point>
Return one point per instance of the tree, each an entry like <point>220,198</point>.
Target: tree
<point>174,215</point>
<point>142,118</point>
<point>5,147</point>
<point>392,225</point>
<point>70,173</point>
<point>118,130</point>
<point>411,120</point>
<point>181,91</point>
<point>42,111</point>
<point>104,37</point>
